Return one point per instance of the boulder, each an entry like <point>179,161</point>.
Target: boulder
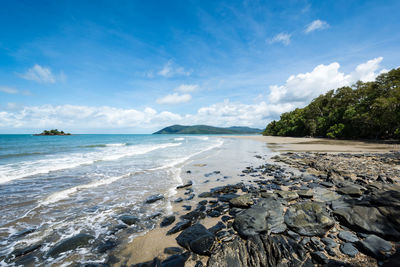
<point>375,246</point>
<point>309,219</point>
<point>176,260</point>
<point>349,249</point>
<point>179,227</point>
<point>348,236</point>
<point>351,190</point>
<point>197,239</point>
<point>368,220</point>
<point>189,183</point>
<point>77,241</point>
<point>287,195</point>
<point>243,201</point>
<point>167,221</point>
<point>324,195</point>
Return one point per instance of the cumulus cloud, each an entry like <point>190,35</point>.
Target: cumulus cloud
<point>175,98</point>
<point>303,87</point>
<point>282,37</point>
<point>39,74</point>
<point>170,69</point>
<point>316,25</point>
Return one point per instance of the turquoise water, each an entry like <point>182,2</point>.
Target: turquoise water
<point>58,186</point>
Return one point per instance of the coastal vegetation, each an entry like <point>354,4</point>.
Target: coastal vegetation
<point>205,129</point>
<point>53,132</point>
<point>369,110</point>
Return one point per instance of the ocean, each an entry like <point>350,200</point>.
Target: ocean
<point>55,187</point>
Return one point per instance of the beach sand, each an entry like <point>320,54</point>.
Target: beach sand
<point>236,154</point>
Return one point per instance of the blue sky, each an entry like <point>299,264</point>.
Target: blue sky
<point>136,66</point>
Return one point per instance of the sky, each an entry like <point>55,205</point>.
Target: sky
<point>137,66</point>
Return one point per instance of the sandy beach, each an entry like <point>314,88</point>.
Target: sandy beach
<point>225,166</point>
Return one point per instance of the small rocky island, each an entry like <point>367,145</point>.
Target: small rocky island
<point>52,132</point>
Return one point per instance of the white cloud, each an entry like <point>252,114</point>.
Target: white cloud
<point>174,98</point>
<point>316,25</point>
<point>11,90</point>
<point>84,117</point>
<point>186,88</point>
<point>282,37</point>
<point>170,69</point>
<point>40,74</point>
<point>8,90</point>
<point>303,87</point>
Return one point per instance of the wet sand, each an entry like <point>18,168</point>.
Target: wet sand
<point>298,144</point>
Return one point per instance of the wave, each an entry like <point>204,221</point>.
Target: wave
<point>106,145</point>
<point>9,172</point>
<point>179,139</point>
<point>16,155</point>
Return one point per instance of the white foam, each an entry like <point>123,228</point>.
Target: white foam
<point>179,139</point>
<point>9,172</point>
<point>116,145</point>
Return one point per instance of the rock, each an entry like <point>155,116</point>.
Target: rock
<point>214,213</point>
<point>267,215</point>
<point>203,202</point>
<point>287,195</point>
<point>154,198</point>
<point>129,219</point>
<point>348,249</point>
<point>305,193</point>
<point>190,183</point>
<point>293,235</point>
<point>327,184</point>
<point>329,242</point>
<point>106,245</point>
<point>243,201</point>
<point>190,197</point>
<point>23,251</point>
<point>351,190</point>
<point>173,250</point>
<point>153,263</point>
<point>77,241</point>
<point>348,236</point>
<point>374,246</point>
<point>324,195</point>
<point>197,239</point>
<point>309,219</point>
<point>259,251</point>
<point>179,199</point>
<point>319,257</point>
<point>179,227</point>
<point>167,221</point>
<point>187,207</point>
<point>216,228</point>
<point>227,197</point>
<point>176,260</point>
<point>194,216</point>
<point>368,220</point>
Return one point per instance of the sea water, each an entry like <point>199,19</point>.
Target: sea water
<point>55,187</point>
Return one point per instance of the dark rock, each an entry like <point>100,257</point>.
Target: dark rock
<point>198,264</point>
<point>243,201</point>
<point>153,263</point>
<point>216,228</point>
<point>197,239</point>
<point>194,216</point>
<point>309,219</point>
<point>179,227</point>
<point>351,190</point>
<point>324,195</point>
<point>106,245</point>
<point>77,241</point>
<point>329,242</point>
<point>317,244</point>
<point>348,249</point>
<point>23,251</point>
<point>190,197</point>
<point>167,221</point>
<point>226,218</point>
<point>173,250</point>
<point>179,199</point>
<point>374,246</point>
<point>305,193</point>
<point>368,220</point>
<point>330,251</point>
<point>319,257</point>
<point>203,202</point>
<point>155,215</point>
<point>23,232</point>
<point>327,184</point>
<point>154,198</point>
<point>176,260</point>
<point>214,213</point>
<point>187,207</point>
<point>348,236</point>
<point>129,219</point>
<point>293,235</point>
<point>190,183</point>
<point>288,195</point>
<point>227,197</point>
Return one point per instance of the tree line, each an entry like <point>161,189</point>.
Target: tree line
<point>367,110</point>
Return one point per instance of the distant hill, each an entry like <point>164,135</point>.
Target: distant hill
<point>205,129</point>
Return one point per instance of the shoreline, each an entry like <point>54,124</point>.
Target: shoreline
<point>142,249</point>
